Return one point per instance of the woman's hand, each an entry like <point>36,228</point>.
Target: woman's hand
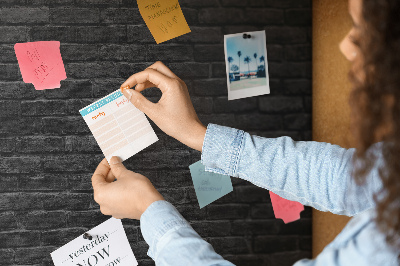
<point>128,196</point>
<point>174,113</point>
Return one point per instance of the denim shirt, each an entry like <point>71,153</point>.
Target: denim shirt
<point>312,173</point>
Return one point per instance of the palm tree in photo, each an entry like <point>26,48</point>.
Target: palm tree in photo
<point>230,60</point>
<point>239,54</point>
<point>255,60</point>
<point>262,59</point>
<point>247,60</point>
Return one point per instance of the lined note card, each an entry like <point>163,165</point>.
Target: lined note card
<point>164,18</point>
<point>118,126</point>
<point>41,64</point>
<point>109,246</point>
<point>287,210</point>
<point>209,186</point>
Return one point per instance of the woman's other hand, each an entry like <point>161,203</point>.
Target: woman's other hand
<point>174,113</point>
<point>127,197</point>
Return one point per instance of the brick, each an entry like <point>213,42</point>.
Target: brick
<point>70,163</point>
<point>7,145</point>
<point>24,15</point>
<point>9,108</point>
<point>212,228</point>
<point>69,15</point>
<point>64,125</point>
<point>18,90</point>
<point>288,258</point>
<point>190,70</point>
<point>204,3</point>
<point>19,239</point>
<point>297,86</point>
<point>202,104</point>
<point>218,70</point>
<point>98,3</point>
<point>82,144</point>
<point>275,53</point>
<point>227,211</point>
<point>79,52</point>
<point>299,227</point>
<point>264,16</point>
<point>234,3</point>
<point>40,144</point>
<point>121,16</point>
<point>43,108</point>
<point>9,183</point>
<point>210,87</point>
<point>79,34</point>
<point>7,256</point>
<point>230,245</point>
<point>102,87</point>
<point>221,16</point>
<point>305,243</point>
<point>254,228</point>
<point>180,159</point>
<point>246,260</point>
<point>286,35</point>
<point>297,121</point>
<point>175,195</point>
<point>298,17</point>
<point>290,70</point>
<point>262,211</point>
<point>171,53</point>
<point>191,16</point>
<point>74,105</point>
<point>86,218</point>
<point>132,233</point>
<point>34,255</point>
<point>222,105</point>
<point>38,220</point>
<point>91,70</point>
<point>285,3</point>
<point>8,221</point>
<point>219,119</point>
<point>78,181</point>
<point>209,53</point>
<point>281,104</point>
<point>20,164</point>
<point>7,54</point>
<point>169,178</point>
<point>129,53</point>
<point>198,35</point>
<point>259,122</point>
<point>228,29</point>
<point>252,193</point>
<point>58,237</point>
<point>18,126</point>
<point>71,89</point>
<point>41,182</point>
<point>192,213</point>
<point>68,201</point>
<point>139,34</point>
<point>13,34</point>
<point>300,52</point>
<point>308,104</point>
<point>9,72</point>
<point>272,244</point>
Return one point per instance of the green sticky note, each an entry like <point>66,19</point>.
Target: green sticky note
<point>209,186</point>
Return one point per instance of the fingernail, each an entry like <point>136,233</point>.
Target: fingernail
<point>129,92</point>
<point>125,88</point>
<point>115,160</point>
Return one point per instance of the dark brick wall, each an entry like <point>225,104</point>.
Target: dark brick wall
<point>48,154</point>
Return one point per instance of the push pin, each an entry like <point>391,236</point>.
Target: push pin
<point>87,236</point>
<point>246,36</point>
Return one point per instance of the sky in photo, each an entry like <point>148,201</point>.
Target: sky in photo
<point>248,47</point>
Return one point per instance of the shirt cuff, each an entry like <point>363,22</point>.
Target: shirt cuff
<point>158,219</point>
<point>221,151</point>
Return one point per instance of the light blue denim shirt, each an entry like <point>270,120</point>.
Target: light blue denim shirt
<point>312,173</point>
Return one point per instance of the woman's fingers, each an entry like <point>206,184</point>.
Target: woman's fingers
<point>149,75</point>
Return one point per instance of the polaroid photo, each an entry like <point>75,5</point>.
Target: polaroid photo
<point>246,64</point>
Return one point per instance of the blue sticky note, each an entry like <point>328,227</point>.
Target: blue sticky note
<point>209,186</point>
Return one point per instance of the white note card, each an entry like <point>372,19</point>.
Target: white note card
<point>108,247</point>
<point>118,126</point>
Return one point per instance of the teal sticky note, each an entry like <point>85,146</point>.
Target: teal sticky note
<point>209,186</point>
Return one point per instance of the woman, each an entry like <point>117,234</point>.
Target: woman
<point>320,175</point>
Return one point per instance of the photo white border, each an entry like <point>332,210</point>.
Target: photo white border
<point>248,92</point>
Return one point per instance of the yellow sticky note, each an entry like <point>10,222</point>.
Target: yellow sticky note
<point>164,18</point>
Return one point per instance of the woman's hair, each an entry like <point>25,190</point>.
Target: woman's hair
<point>375,103</point>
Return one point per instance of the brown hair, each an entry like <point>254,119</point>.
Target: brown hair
<point>375,103</point>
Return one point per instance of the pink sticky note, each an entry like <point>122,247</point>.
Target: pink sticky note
<point>288,211</point>
<point>41,64</point>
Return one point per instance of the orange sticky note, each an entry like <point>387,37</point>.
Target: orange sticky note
<point>41,64</point>
<point>164,18</point>
<point>288,211</point>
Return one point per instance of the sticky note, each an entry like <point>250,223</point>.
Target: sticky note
<point>108,246</point>
<point>41,64</point>
<point>288,211</point>
<point>118,126</point>
<point>164,18</point>
<point>209,186</point>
